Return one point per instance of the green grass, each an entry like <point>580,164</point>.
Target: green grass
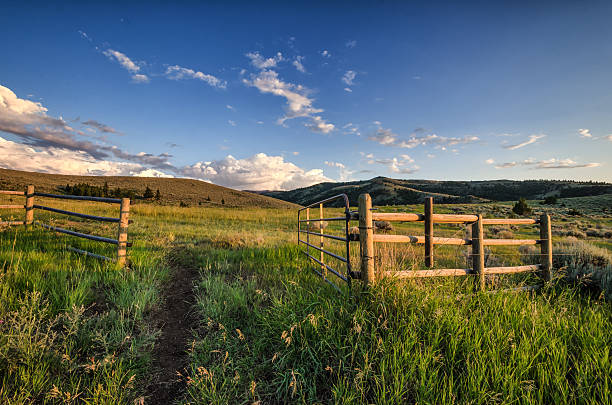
<point>269,330</point>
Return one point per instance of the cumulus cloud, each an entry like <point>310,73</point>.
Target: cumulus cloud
<point>387,137</point>
<point>258,172</point>
<point>177,72</point>
<point>349,77</point>
<point>325,53</point>
<point>18,156</point>
<point>532,139</point>
<point>28,121</point>
<point>548,164</point>
<point>264,63</point>
<point>585,133</point>
<point>298,64</point>
<point>127,64</point>
<point>299,105</point>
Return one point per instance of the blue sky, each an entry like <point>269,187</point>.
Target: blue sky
<point>278,96</point>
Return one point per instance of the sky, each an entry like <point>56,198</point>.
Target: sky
<point>281,95</point>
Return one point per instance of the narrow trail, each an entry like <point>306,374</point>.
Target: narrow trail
<point>175,319</point>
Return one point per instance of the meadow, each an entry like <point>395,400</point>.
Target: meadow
<point>265,329</point>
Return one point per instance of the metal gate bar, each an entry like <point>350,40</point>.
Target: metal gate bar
<point>346,239</point>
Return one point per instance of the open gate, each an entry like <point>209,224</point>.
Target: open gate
<point>341,271</point>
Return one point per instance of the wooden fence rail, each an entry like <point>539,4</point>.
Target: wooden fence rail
<point>477,241</point>
<point>123,220</point>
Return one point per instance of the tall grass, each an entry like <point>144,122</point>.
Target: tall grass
<point>272,332</point>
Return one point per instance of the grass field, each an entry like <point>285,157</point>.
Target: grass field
<point>264,328</point>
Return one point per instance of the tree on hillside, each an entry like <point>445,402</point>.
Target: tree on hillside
<point>157,195</point>
<point>521,207</point>
<point>148,193</point>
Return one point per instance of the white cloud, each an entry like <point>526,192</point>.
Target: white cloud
<point>177,72</point>
<point>349,77</point>
<point>18,156</point>
<point>585,133</point>
<point>348,89</point>
<point>232,123</point>
<point>229,107</point>
<point>262,63</point>
<point>28,121</point>
<point>258,172</point>
<point>532,139</point>
<point>548,164</point>
<point>609,137</point>
<point>489,161</point>
<point>298,64</point>
<point>139,78</point>
<point>299,105</point>
<point>351,44</point>
<point>335,164</point>
<point>325,53</point>
<point>402,165</point>
<point>388,138</point>
<point>127,64</point>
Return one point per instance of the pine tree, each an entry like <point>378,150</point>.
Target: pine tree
<point>148,193</point>
<point>521,207</point>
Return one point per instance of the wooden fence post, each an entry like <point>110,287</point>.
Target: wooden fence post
<point>123,230</point>
<point>323,268</point>
<point>29,206</point>
<point>366,238</point>
<point>429,261</point>
<point>546,247</point>
<point>478,259</point>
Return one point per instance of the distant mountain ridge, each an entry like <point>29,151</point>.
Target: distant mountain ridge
<point>387,191</point>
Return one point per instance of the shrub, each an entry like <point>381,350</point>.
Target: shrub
<point>585,262</point>
<point>550,200</point>
<point>574,212</point>
<point>384,226</point>
<point>317,226</point>
<point>521,207</point>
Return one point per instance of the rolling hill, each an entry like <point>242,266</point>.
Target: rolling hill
<point>173,191</point>
<point>386,191</point>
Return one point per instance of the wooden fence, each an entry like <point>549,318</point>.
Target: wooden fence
<point>123,221</point>
<point>367,238</point>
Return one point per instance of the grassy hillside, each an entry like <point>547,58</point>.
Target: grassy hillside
<point>173,191</point>
<point>386,191</point>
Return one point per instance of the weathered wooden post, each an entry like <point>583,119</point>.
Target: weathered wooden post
<point>478,258</point>
<point>429,232</point>
<point>123,231</point>
<point>366,239</point>
<point>323,268</point>
<point>546,247</point>
<point>29,206</point>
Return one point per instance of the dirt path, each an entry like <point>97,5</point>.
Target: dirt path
<point>175,320</point>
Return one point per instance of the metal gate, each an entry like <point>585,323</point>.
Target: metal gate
<point>342,270</point>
